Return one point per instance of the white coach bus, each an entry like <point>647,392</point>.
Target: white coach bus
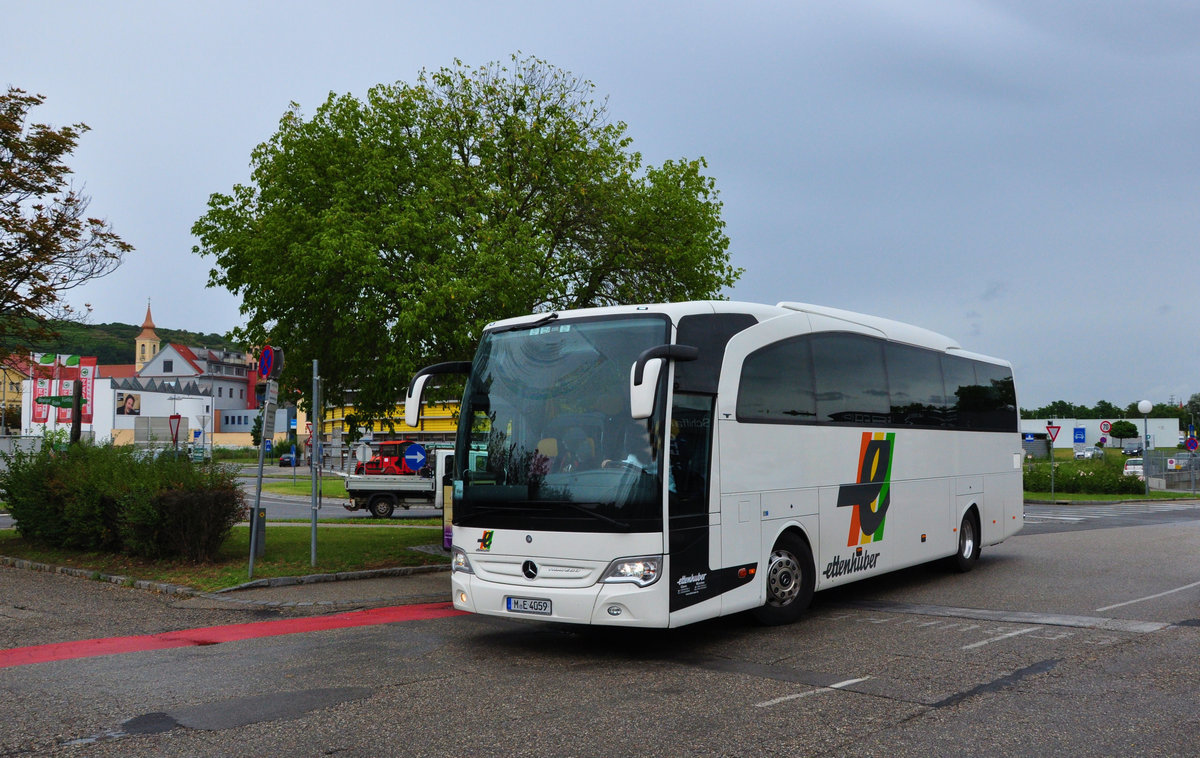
<point>657,465</point>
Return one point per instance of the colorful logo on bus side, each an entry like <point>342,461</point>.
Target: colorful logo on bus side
<point>871,495</point>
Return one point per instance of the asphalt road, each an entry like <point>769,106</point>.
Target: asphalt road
<point>1073,638</point>
<point>290,507</point>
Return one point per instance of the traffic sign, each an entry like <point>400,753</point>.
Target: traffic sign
<point>1053,431</point>
<point>266,362</point>
<point>1080,434</point>
<point>1029,436</point>
<point>1191,444</point>
<point>415,457</point>
<point>1105,427</point>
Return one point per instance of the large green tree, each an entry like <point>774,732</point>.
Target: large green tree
<point>48,243</point>
<point>382,234</point>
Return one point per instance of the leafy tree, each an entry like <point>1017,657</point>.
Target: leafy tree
<point>48,244</point>
<point>1192,408</point>
<point>1105,410</point>
<point>1124,430</point>
<point>383,234</point>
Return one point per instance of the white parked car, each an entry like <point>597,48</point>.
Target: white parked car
<point>1133,467</point>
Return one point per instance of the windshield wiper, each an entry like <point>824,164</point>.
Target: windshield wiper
<point>579,507</point>
<point>462,520</point>
<point>531,325</point>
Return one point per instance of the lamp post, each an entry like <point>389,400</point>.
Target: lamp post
<point>1144,408</point>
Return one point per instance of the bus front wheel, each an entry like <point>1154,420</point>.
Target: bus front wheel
<point>790,580</point>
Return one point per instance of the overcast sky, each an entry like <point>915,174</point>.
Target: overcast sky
<point>1021,176</point>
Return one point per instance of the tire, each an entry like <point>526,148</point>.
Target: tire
<point>791,579</point>
<point>968,543</point>
<point>382,506</point>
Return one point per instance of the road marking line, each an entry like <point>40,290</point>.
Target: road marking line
<point>806,693</point>
<point>213,635</point>
<point>974,645</point>
<point>1148,597</point>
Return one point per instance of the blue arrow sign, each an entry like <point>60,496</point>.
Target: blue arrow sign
<point>415,457</point>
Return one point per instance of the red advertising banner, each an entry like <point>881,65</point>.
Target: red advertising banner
<point>87,375</point>
<point>42,368</point>
<point>68,374</point>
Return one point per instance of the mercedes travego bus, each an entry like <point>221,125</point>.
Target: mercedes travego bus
<point>656,465</point>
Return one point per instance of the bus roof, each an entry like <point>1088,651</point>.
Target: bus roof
<point>897,331</point>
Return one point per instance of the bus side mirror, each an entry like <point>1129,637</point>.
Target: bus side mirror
<point>412,401</point>
<point>644,375</point>
<point>416,388</point>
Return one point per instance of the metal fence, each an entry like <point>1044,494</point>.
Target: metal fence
<point>1172,471</point>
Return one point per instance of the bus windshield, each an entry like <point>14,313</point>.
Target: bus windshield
<point>546,438</point>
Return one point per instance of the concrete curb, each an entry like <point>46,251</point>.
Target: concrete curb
<point>281,581</point>
<point>288,581</point>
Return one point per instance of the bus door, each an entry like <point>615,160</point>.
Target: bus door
<point>689,459</point>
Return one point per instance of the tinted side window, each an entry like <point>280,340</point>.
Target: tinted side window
<point>996,385</point>
<point>851,382</point>
<point>962,395</point>
<point>915,381</point>
<point>709,332</point>
<point>777,384</point>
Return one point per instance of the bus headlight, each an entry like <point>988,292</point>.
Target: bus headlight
<point>642,571</point>
<point>459,561</point>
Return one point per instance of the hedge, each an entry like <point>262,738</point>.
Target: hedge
<point>108,498</point>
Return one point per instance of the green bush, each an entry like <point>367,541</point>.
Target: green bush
<point>110,499</point>
<point>1089,477</point>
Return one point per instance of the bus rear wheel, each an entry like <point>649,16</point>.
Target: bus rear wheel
<point>790,579</point>
<point>968,543</point>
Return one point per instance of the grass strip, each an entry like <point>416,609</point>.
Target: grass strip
<point>333,487</point>
<point>1099,497</point>
<point>287,554</point>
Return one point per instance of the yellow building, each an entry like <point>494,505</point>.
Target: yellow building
<point>11,376</point>
<point>438,423</point>
<point>147,344</point>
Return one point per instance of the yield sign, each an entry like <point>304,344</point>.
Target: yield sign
<point>1053,431</point>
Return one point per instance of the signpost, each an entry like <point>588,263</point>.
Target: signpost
<point>58,401</point>
<point>174,420</point>
<point>1052,431</point>
<point>270,366</point>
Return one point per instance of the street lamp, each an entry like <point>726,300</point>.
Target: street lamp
<point>1144,408</point>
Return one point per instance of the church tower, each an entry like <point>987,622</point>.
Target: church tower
<point>147,343</point>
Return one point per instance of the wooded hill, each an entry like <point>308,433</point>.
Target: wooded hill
<point>114,343</point>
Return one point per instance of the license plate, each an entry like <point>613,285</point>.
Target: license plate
<point>528,605</point>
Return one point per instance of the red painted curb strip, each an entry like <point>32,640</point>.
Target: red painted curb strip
<point>213,635</point>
